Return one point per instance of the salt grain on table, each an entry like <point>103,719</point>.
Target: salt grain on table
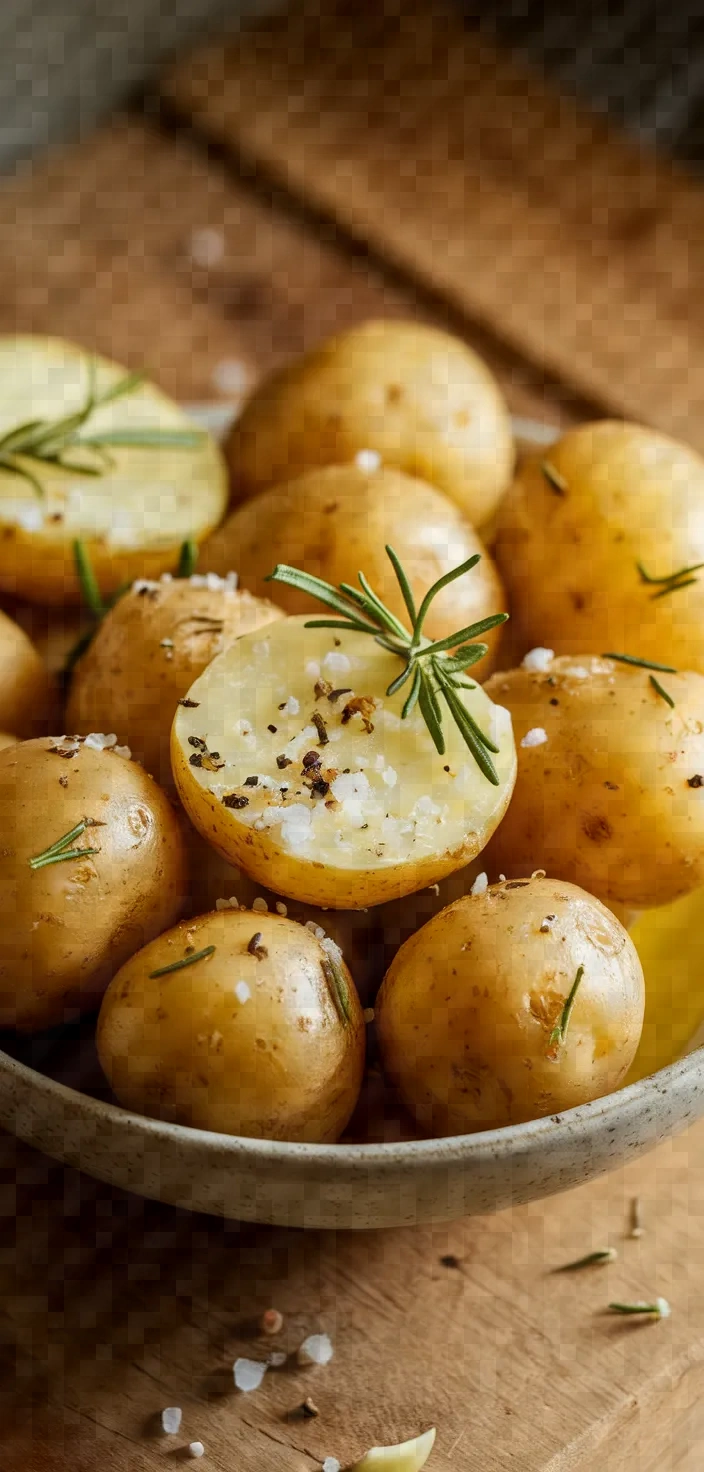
<point>248,1374</point>
<point>196,1449</point>
<point>171,1420</point>
<point>316,1350</point>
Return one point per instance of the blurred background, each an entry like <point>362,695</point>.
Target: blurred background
<point>64,64</point>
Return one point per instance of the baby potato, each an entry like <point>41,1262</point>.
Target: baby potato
<point>294,763</point>
<point>215,884</point>
<point>590,536</point>
<point>27,691</point>
<point>142,501</point>
<point>240,1023</point>
<point>335,521</point>
<point>92,865</point>
<point>421,399</point>
<point>146,653</point>
<point>474,1018</point>
<point>610,778</point>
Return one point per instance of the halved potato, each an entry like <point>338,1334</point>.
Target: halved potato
<point>295,764</point>
<point>134,516</point>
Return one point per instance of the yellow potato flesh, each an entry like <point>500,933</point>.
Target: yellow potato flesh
<point>420,398</point>
<point>249,1040</point>
<point>612,798</point>
<point>466,1011</point>
<point>570,557</point>
<point>333,522</point>
<point>134,517</point>
<point>147,652</point>
<point>396,815</point>
<point>66,926</point>
<point>670,943</point>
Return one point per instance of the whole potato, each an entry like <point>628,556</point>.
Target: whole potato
<point>27,692</point>
<point>68,920</point>
<point>582,526</point>
<point>261,1036</point>
<point>336,522</point>
<point>423,400</point>
<point>610,787</point>
<point>147,652</point>
<point>473,1018</point>
<point>215,884</point>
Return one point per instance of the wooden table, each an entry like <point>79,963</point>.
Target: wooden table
<point>113,1308</point>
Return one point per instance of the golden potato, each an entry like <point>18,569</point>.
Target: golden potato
<point>474,1020</point>
<point>576,539</point>
<point>215,884</point>
<point>27,692</point>
<point>335,522</point>
<point>262,1035</point>
<point>419,398</point>
<point>609,776</point>
<point>132,516</point>
<point>147,652</point>
<point>92,865</point>
<point>295,764</point>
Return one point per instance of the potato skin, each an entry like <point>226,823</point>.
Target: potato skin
<point>422,399</point>
<point>356,932</point>
<point>570,560</point>
<point>337,521</point>
<point>65,927</point>
<point>146,654</point>
<point>279,1063</point>
<point>466,1010</point>
<point>27,693</point>
<point>606,801</point>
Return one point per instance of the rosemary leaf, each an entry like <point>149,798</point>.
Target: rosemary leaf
<point>657,687</point>
<point>559,1032</point>
<point>672,577</point>
<point>643,664</point>
<point>137,439</point>
<point>305,582</point>
<point>188,559</point>
<point>403,583</point>
<point>338,989</point>
<point>412,698</point>
<point>556,482</point>
<point>400,680</point>
<point>429,711</point>
<point>673,588</point>
<point>386,617</point>
<point>443,582</point>
<point>90,591</point>
<point>472,631</point>
<point>185,961</point>
<point>591,1259</point>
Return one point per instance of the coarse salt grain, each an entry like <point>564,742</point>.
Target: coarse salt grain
<point>230,377</point>
<point>389,776</point>
<point>30,518</point>
<point>260,905</point>
<point>315,929</point>
<point>368,460</point>
<point>206,246</point>
<point>312,669</point>
<point>98,741</point>
<point>196,1449</point>
<point>350,786</point>
<point>276,1359</point>
<point>578,672</point>
<point>336,663</point>
<point>171,1420</point>
<point>124,751</point>
<point>214,583</point>
<point>332,948</point>
<point>481,884</point>
<point>145,585</point>
<point>281,908</point>
<point>291,706</point>
<point>538,659</point>
<point>425,807</point>
<point>242,992</point>
<point>331,1464</point>
<point>243,728</point>
<point>248,1374</point>
<point>535,737</point>
<point>315,1350</point>
<point>368,1014</point>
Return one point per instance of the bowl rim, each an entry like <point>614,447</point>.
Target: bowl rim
<point>359,1158</point>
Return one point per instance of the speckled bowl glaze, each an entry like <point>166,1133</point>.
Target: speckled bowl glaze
<point>348,1186</point>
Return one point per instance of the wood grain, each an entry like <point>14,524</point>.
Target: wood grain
<point>457,164</point>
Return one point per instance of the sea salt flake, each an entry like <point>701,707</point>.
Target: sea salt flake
<point>368,460</point>
<point>98,741</point>
<point>196,1449</point>
<point>349,786</point>
<point>425,807</point>
<point>390,777</point>
<point>316,1350</point>
<point>535,737</point>
<point>291,706</point>
<point>333,950</point>
<point>538,660</point>
<point>481,884</point>
<point>281,908</point>
<point>248,1374</point>
<point>124,751</point>
<point>206,246</point>
<point>230,377</point>
<point>242,993</point>
<point>312,669</point>
<point>336,663</point>
<point>331,1464</point>
<point>171,1420</point>
<point>260,905</point>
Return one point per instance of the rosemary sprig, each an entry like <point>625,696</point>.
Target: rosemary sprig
<point>433,669</point>
<point>185,961</point>
<point>659,1309</point>
<point>592,1259</point>
<point>658,688</point>
<point>673,581</point>
<point>57,852</point>
<point>63,443</point>
<point>642,664</point>
<point>337,986</point>
<point>559,1032</point>
<point>556,482</point>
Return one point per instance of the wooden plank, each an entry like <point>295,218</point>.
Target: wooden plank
<point>457,164</point>
<point>103,245</point>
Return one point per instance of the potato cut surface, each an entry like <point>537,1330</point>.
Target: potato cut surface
<point>293,762</point>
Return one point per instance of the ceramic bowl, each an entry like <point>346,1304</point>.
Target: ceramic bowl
<point>398,1182</point>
